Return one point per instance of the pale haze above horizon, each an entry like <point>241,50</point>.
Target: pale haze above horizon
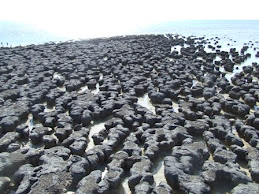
<point>97,18</point>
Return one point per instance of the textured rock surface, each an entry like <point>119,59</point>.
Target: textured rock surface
<point>143,114</point>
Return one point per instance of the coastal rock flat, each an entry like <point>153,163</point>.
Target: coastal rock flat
<point>129,114</point>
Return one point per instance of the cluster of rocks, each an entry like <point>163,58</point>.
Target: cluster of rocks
<point>51,95</point>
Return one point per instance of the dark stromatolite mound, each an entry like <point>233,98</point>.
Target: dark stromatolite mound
<point>95,116</point>
<point>181,167</point>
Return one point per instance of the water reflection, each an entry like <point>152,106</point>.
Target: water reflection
<point>56,75</point>
<point>176,48</point>
<point>94,91</point>
<point>176,107</point>
<point>83,89</point>
<point>104,172</point>
<point>97,89</point>
<point>146,102</point>
<point>158,172</point>
<point>227,44</point>
<point>96,127</point>
<point>30,122</point>
<point>48,108</point>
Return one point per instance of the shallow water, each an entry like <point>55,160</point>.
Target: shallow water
<point>176,48</point>
<point>226,45</point>
<point>176,107</point>
<point>83,89</point>
<point>210,157</point>
<point>63,88</point>
<point>96,127</point>
<point>218,58</point>
<point>48,108</point>
<point>201,58</point>
<point>146,102</point>
<point>126,186</point>
<point>101,77</point>
<point>104,172</point>
<point>97,90</point>
<point>94,91</point>
<point>194,82</point>
<point>97,87</point>
<point>30,122</point>
<point>57,75</point>
<point>158,172</point>
<point>36,146</point>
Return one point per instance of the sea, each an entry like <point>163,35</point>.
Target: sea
<point>242,31</point>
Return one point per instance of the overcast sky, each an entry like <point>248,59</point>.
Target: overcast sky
<point>82,17</point>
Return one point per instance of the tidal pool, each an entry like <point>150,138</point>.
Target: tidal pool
<point>95,127</point>
<point>146,102</point>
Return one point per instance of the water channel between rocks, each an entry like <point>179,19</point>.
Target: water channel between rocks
<point>48,108</point>
<point>95,127</point>
<point>145,102</point>
<point>158,171</point>
<point>94,91</point>
<point>225,46</point>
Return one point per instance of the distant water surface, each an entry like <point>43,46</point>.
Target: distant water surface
<point>15,34</point>
<point>239,30</point>
<point>243,30</point>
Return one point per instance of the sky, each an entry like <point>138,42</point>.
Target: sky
<point>77,18</point>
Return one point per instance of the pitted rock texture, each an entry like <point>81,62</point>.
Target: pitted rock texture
<point>98,116</point>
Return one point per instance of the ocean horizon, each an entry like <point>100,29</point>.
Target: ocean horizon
<point>15,34</point>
